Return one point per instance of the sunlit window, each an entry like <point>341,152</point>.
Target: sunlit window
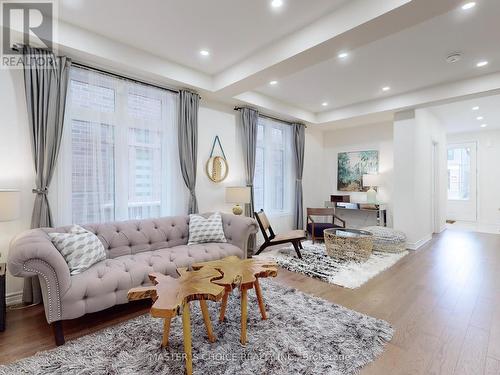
<point>459,168</point>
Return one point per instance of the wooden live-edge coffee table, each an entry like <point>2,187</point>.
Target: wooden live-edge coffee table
<point>171,297</point>
<point>243,274</point>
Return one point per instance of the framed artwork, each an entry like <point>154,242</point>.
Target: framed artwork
<point>351,167</point>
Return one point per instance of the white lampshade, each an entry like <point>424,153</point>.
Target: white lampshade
<point>10,205</point>
<point>238,194</point>
<point>371,180</point>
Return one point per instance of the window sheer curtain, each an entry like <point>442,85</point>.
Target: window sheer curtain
<point>274,180</point>
<point>119,155</point>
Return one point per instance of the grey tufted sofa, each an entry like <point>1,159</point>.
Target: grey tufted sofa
<point>134,249</point>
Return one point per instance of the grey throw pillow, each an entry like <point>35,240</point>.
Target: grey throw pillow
<point>202,230</point>
<point>80,248</point>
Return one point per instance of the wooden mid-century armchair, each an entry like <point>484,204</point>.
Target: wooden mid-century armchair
<point>315,228</point>
<point>270,238</point>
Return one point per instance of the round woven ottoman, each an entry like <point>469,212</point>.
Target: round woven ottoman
<point>387,240</point>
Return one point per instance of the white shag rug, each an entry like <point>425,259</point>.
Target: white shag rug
<point>317,263</point>
<point>302,335</point>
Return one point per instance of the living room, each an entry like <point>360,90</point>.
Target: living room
<point>322,184</point>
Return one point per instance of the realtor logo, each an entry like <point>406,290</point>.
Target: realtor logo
<point>25,23</point>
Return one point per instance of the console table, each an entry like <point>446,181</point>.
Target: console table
<point>378,207</point>
<point>2,297</point>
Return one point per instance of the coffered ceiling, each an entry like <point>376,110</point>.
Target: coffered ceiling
<point>230,30</point>
<point>470,115</point>
<point>405,61</point>
<point>401,44</point>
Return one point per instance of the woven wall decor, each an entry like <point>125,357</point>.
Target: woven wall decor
<point>217,167</point>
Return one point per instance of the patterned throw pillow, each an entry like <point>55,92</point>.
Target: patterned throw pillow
<point>203,230</point>
<point>80,248</point>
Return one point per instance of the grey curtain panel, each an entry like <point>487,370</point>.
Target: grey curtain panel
<point>188,142</point>
<point>248,119</point>
<point>298,152</point>
<point>45,87</point>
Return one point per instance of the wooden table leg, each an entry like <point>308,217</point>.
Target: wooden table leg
<point>223,306</point>
<point>186,328</point>
<point>258,292</point>
<point>206,319</point>
<point>243,337</point>
<point>166,331</point>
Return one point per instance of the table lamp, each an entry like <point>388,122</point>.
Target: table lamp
<point>371,180</point>
<point>238,195</point>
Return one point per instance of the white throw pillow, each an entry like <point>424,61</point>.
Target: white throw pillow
<point>80,248</point>
<point>202,230</point>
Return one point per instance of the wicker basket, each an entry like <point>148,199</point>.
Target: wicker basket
<point>348,244</point>
<point>387,240</point>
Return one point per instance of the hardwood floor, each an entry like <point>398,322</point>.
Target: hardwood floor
<point>443,301</point>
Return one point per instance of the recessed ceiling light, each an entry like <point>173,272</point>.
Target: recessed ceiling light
<point>480,64</point>
<point>479,118</point>
<point>204,52</point>
<point>324,104</point>
<point>476,108</point>
<point>386,88</point>
<point>343,55</point>
<point>272,83</point>
<point>276,3</point>
<point>484,125</point>
<point>469,5</point>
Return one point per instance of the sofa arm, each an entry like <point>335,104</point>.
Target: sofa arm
<point>32,254</point>
<point>238,229</point>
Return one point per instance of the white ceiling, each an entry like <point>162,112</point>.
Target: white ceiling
<point>406,61</point>
<point>178,29</point>
<point>398,43</point>
<point>459,117</point>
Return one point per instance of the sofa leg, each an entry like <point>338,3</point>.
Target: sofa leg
<point>57,328</point>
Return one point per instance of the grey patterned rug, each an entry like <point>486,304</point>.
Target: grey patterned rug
<point>316,263</point>
<point>303,335</point>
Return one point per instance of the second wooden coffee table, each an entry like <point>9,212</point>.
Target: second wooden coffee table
<point>243,274</point>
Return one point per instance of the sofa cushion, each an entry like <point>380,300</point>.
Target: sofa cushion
<point>80,248</point>
<point>107,283</point>
<point>204,230</point>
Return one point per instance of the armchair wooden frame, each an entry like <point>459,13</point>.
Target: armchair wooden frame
<point>270,239</point>
<point>321,212</point>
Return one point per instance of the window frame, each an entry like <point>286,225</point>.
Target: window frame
<point>122,121</point>
<point>267,146</point>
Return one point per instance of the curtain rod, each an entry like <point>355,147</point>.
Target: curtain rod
<point>274,118</point>
<point>19,47</point>
<point>113,74</point>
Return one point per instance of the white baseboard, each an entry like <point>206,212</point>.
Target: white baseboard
<point>442,229</point>
<point>418,244</point>
<point>14,298</point>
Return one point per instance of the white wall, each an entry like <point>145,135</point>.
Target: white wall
<point>16,166</point>
<point>488,173</point>
<point>369,137</point>
<point>314,169</point>
<point>215,120</point>
<point>414,135</point>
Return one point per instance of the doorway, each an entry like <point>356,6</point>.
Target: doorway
<point>462,181</point>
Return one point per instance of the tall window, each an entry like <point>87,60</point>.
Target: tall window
<point>119,157</point>
<point>459,169</point>
<point>273,180</point>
